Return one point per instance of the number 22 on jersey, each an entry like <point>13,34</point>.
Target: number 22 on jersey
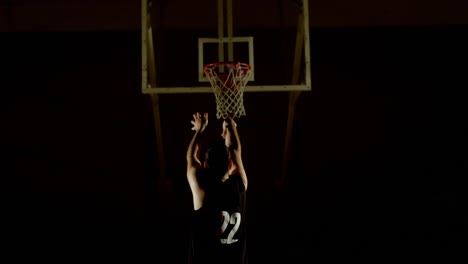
<point>234,219</point>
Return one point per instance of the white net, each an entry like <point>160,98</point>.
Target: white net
<point>228,81</point>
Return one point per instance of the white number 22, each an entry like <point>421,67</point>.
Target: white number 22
<point>234,219</point>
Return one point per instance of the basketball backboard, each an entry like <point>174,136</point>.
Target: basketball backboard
<point>179,37</point>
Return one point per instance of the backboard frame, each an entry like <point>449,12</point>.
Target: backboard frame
<point>147,54</point>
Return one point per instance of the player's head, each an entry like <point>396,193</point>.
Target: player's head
<point>217,158</point>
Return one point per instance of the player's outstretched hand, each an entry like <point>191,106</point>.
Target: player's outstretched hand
<point>204,122</point>
<point>232,122</point>
<point>196,122</point>
<point>229,122</point>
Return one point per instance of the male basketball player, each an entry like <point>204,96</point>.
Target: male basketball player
<point>218,230</point>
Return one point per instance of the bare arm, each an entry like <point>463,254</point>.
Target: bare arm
<point>197,143</point>
<point>236,150</point>
<point>198,193</point>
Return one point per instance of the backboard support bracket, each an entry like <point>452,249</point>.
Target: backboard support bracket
<point>148,88</point>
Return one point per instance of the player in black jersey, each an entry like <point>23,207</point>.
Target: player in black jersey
<point>218,186</point>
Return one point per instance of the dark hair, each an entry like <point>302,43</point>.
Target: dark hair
<point>217,157</point>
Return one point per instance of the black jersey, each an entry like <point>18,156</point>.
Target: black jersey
<point>218,231</point>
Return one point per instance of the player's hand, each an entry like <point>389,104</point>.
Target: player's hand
<point>197,122</point>
<point>204,122</point>
<point>232,122</point>
<point>229,122</point>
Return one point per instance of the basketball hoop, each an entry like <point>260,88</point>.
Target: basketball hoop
<point>228,81</point>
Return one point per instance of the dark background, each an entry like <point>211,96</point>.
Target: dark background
<point>378,148</point>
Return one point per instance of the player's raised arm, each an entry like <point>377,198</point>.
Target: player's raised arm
<point>232,140</point>
<point>196,152</point>
<point>197,191</point>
